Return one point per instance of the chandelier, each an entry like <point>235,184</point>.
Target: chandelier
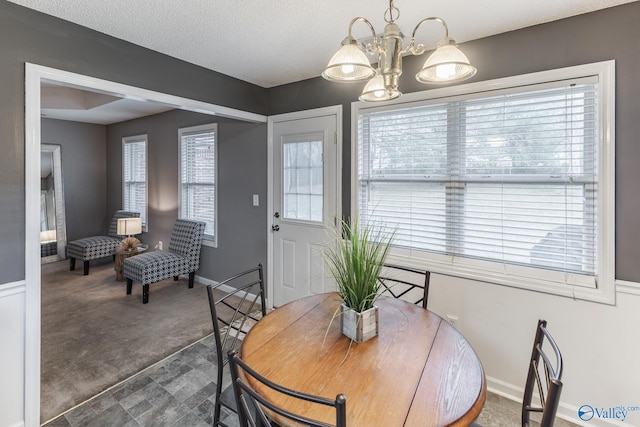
<point>350,64</point>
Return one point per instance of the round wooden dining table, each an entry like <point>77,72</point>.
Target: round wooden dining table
<point>418,371</point>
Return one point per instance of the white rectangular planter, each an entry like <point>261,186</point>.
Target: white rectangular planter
<point>359,326</point>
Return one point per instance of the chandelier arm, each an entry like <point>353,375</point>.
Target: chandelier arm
<point>419,48</point>
<point>373,32</point>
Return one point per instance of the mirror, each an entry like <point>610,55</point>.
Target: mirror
<point>53,230</point>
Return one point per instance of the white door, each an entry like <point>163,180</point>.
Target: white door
<point>305,205</point>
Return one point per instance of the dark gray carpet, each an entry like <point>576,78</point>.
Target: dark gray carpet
<point>94,335</point>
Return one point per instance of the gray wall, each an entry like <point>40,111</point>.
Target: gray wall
<point>83,151</point>
<point>607,34</point>
<point>242,171</point>
<point>29,36</point>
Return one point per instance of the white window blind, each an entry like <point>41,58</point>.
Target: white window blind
<point>198,176</point>
<point>134,167</point>
<point>510,178</point>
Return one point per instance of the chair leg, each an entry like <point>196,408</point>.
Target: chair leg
<point>129,286</point>
<point>192,276</point>
<point>72,263</point>
<point>86,267</point>
<point>216,410</point>
<point>145,294</point>
<point>175,278</point>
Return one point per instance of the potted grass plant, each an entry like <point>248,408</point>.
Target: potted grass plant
<point>355,257</point>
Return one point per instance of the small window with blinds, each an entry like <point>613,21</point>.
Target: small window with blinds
<point>134,171</point>
<point>198,177</point>
<point>506,181</point>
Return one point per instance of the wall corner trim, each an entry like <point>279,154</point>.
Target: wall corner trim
<point>626,287</point>
<point>7,289</point>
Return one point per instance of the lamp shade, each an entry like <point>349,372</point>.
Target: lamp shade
<point>374,91</point>
<point>129,226</point>
<point>446,64</point>
<point>349,64</point>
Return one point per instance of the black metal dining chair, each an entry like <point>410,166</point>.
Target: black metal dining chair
<point>234,307</point>
<point>398,281</point>
<point>247,398</point>
<point>544,377</point>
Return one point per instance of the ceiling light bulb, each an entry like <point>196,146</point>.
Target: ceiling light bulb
<point>445,71</point>
<point>347,69</point>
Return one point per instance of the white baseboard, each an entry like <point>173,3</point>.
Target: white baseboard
<point>506,390</point>
<point>205,281</point>
<point>223,288</point>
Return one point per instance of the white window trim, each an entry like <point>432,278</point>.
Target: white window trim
<point>127,140</point>
<point>208,240</point>
<point>604,292</point>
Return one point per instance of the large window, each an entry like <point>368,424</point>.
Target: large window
<point>134,171</point>
<point>198,169</point>
<point>508,183</point>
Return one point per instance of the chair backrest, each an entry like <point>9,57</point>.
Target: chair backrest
<point>544,377</point>
<point>113,227</point>
<point>186,240</point>
<point>234,308</point>
<point>398,281</point>
<point>248,398</point>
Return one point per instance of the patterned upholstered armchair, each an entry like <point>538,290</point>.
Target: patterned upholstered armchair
<point>183,257</point>
<point>96,247</point>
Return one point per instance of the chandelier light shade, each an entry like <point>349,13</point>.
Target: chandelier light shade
<point>374,90</point>
<point>447,63</point>
<point>350,64</point>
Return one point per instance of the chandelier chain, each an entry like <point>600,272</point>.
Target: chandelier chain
<point>388,14</point>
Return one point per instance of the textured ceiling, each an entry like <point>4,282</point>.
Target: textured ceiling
<point>269,42</point>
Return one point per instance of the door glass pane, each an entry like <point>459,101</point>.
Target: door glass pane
<point>303,181</point>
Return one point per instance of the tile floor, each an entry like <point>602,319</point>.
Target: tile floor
<point>180,391</point>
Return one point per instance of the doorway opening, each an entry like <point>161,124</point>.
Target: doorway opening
<point>35,77</point>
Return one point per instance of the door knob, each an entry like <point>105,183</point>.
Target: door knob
<point>275,228</point>
<point>276,215</point>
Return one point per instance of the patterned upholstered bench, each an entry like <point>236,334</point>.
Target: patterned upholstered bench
<point>183,257</point>
<point>96,247</point>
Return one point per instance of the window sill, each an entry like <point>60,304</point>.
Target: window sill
<point>603,293</point>
<point>210,242</point>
